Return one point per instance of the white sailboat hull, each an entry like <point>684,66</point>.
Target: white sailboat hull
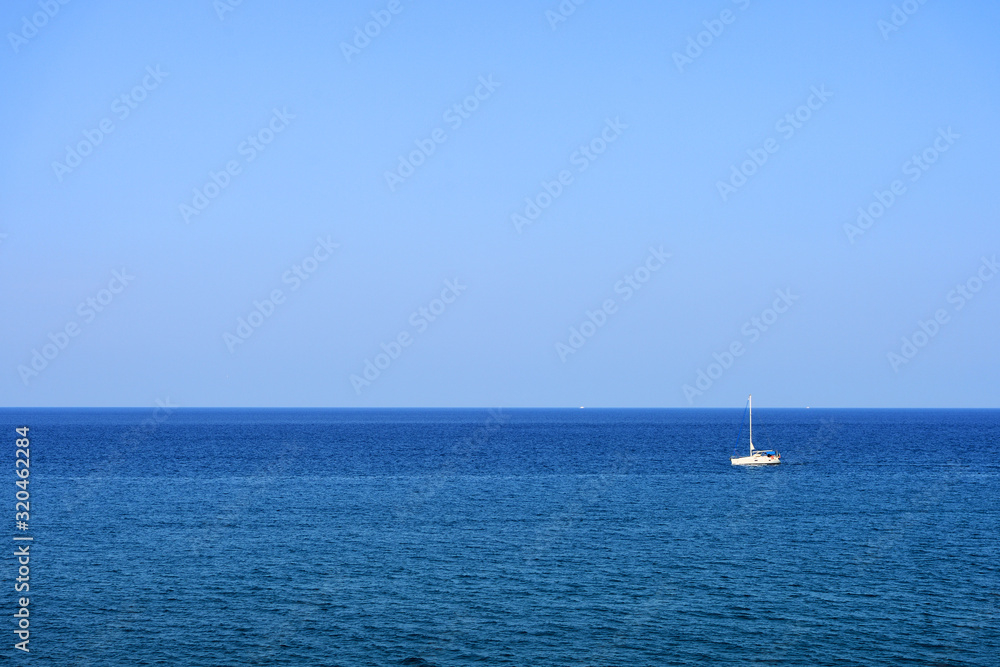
<point>755,460</point>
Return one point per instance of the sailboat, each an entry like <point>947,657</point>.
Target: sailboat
<point>757,456</point>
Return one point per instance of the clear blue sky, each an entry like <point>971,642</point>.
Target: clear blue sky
<point>661,132</point>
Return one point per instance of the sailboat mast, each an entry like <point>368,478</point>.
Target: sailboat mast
<point>750,405</point>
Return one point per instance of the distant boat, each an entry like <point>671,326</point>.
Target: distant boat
<point>757,456</point>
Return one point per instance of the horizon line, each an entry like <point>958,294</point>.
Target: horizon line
<point>482,407</point>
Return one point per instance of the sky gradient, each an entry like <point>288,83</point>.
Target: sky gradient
<point>519,204</point>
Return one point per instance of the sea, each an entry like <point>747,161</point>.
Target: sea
<point>562,537</point>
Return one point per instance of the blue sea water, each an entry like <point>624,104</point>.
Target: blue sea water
<point>510,537</point>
